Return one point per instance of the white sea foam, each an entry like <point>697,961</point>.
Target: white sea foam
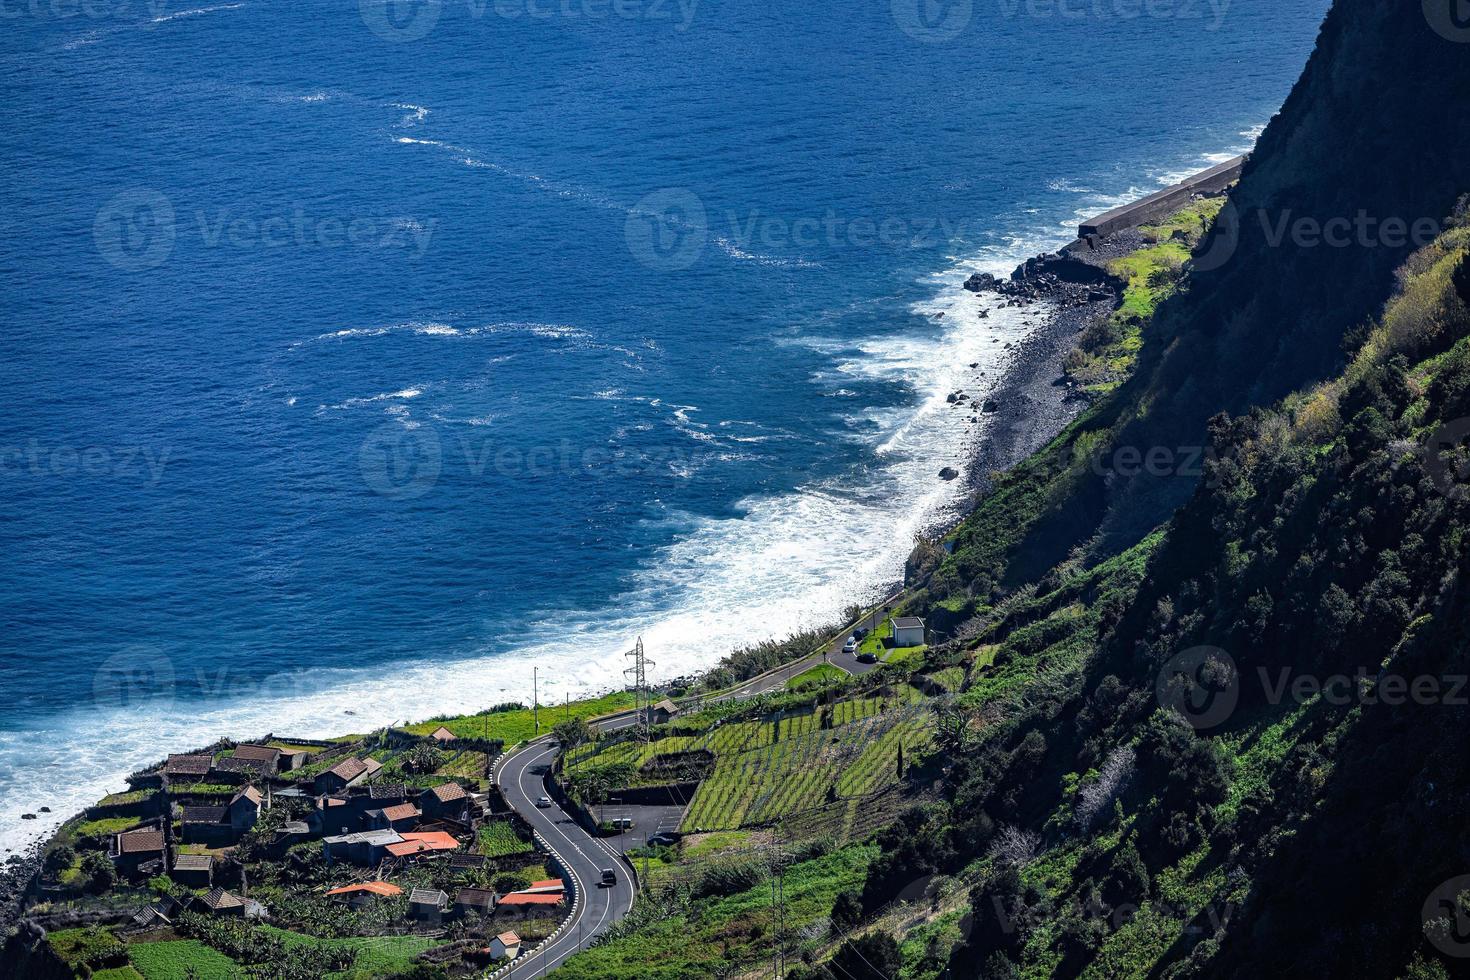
<point>196,12</point>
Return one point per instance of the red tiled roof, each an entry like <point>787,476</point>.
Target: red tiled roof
<point>537,898</point>
<point>549,883</point>
<point>509,939</point>
<point>403,811</point>
<point>382,888</point>
<point>218,898</point>
<point>249,793</point>
<point>422,844</point>
<point>349,769</point>
<point>448,792</point>
<point>442,734</point>
<point>140,842</point>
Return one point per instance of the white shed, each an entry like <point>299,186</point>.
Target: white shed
<point>506,946</point>
<point>908,631</point>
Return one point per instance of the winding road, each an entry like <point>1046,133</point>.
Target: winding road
<point>521,776</point>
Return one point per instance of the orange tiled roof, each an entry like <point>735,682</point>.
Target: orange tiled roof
<point>538,898</point>
<point>372,887</point>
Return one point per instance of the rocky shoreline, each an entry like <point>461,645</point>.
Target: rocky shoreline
<point>1034,399</point>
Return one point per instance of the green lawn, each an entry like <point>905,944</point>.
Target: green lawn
<point>171,961</point>
<point>119,973</point>
<point>376,955</point>
<point>84,947</point>
<point>518,726</point>
<point>102,829</point>
<point>499,837</point>
<point>818,676</point>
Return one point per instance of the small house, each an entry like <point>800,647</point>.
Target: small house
<point>342,775</point>
<point>425,844</point>
<point>193,870</point>
<point>365,893</point>
<point>443,735</point>
<point>237,769</point>
<point>292,759</point>
<point>268,757</point>
<point>506,946</point>
<point>400,817</point>
<point>447,800</point>
<point>908,631</point>
<point>480,901</point>
<point>207,825</point>
<point>365,848</point>
<point>138,852</point>
<point>243,810</point>
<point>388,794</point>
<point>219,902</point>
<point>156,915</point>
<point>427,905</point>
<point>663,712</point>
<point>187,768</point>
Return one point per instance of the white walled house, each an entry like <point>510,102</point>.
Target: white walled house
<point>908,631</point>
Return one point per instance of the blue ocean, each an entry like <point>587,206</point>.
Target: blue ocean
<point>362,356</point>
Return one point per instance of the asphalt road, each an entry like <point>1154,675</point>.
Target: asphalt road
<point>581,854</point>
<point>584,855</point>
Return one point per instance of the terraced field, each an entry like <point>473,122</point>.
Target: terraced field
<point>771,769</point>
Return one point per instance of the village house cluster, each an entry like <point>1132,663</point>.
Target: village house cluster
<point>370,831</point>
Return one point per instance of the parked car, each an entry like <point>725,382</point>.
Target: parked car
<point>543,802</point>
<point>860,633</point>
<point>623,823</point>
<point>851,645</point>
<point>867,657</point>
<point>609,878</point>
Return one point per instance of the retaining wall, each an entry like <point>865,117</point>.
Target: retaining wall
<point>1165,202</point>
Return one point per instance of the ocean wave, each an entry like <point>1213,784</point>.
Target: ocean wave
<point>196,12</point>
<point>415,113</point>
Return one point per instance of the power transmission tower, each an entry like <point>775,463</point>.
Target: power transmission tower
<point>641,698</point>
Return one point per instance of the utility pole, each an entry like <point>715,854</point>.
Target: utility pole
<point>536,698</point>
<point>639,670</point>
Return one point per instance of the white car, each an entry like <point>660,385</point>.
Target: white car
<point>850,646</point>
<point>543,802</point>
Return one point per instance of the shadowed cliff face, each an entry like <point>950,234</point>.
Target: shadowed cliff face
<point>1362,165</point>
